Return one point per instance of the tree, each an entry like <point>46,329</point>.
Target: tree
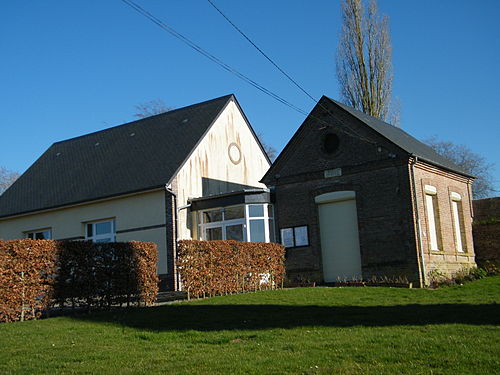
<point>364,60</point>
<point>151,108</point>
<point>469,162</point>
<point>270,150</point>
<point>7,178</point>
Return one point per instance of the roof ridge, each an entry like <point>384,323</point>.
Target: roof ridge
<point>228,96</point>
<point>418,148</point>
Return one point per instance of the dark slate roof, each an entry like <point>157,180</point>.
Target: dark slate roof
<point>136,156</point>
<point>403,140</point>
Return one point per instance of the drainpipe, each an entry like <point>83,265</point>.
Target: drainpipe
<point>176,233</point>
<point>417,214</point>
<point>174,256</point>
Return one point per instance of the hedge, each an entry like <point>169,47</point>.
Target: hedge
<point>209,268</point>
<point>36,274</point>
<point>26,278</point>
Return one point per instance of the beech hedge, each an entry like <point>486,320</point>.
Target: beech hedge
<point>35,275</point>
<point>209,268</point>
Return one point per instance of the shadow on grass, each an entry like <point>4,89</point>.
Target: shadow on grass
<point>242,317</point>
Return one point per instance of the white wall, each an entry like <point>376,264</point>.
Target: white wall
<point>132,212</point>
<point>210,163</point>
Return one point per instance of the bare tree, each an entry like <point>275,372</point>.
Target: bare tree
<point>364,60</point>
<point>270,150</point>
<point>7,178</point>
<point>151,108</point>
<point>469,162</point>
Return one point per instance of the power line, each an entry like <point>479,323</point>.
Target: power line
<point>213,58</point>
<point>263,53</point>
<point>232,70</point>
<point>286,75</point>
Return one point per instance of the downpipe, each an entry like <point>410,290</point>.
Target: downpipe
<point>419,230</point>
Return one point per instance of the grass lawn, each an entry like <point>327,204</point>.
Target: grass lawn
<point>366,330</point>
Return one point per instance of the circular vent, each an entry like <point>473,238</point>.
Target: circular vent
<point>330,143</point>
<point>234,153</point>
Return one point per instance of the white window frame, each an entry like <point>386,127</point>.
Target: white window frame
<point>96,237</point>
<point>457,227</point>
<point>430,196</point>
<point>265,217</point>
<point>33,233</point>
<point>245,221</point>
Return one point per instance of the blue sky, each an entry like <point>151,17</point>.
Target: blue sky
<point>68,68</point>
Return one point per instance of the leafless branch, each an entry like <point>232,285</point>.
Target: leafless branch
<point>364,59</point>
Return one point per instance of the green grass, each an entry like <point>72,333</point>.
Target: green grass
<point>451,330</point>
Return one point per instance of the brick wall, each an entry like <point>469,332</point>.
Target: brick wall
<point>486,209</point>
<point>387,241</point>
<point>447,259</point>
<point>375,169</point>
<point>380,174</point>
<point>486,230</point>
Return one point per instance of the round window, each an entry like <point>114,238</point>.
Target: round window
<point>330,143</point>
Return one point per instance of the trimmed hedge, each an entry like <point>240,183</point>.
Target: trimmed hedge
<point>35,274</point>
<point>209,268</point>
<point>26,278</point>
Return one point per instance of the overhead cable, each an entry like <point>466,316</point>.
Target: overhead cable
<point>262,52</point>
<point>213,58</point>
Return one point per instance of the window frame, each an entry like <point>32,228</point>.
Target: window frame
<point>457,220</point>
<point>432,217</point>
<point>267,217</point>
<point>294,236</point>
<point>34,232</point>
<point>96,237</point>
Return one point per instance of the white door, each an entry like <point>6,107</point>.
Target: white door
<point>338,221</point>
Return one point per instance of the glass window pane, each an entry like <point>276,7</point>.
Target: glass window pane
<point>301,238</point>
<point>256,210</point>
<point>89,230</point>
<point>103,227</point>
<point>30,236</point>
<point>270,210</point>
<point>212,216</point>
<point>456,206</point>
<point>234,232</point>
<point>231,213</point>
<point>431,219</point>
<point>103,240</point>
<point>214,234</point>
<point>47,234</point>
<point>287,237</point>
<point>39,236</point>
<point>257,231</point>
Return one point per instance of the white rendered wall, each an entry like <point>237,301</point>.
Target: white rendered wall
<point>132,212</point>
<point>209,170</point>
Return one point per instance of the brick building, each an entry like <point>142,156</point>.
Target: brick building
<point>358,198</point>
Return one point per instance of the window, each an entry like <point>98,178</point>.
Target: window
<point>432,216</point>
<point>41,234</point>
<point>330,143</point>
<point>295,236</point>
<point>257,221</point>
<point>223,224</point>
<point>100,231</point>
<point>253,222</point>
<point>458,216</point>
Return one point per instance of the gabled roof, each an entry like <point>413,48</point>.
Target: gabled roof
<point>137,156</point>
<point>404,140</point>
<point>392,133</point>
